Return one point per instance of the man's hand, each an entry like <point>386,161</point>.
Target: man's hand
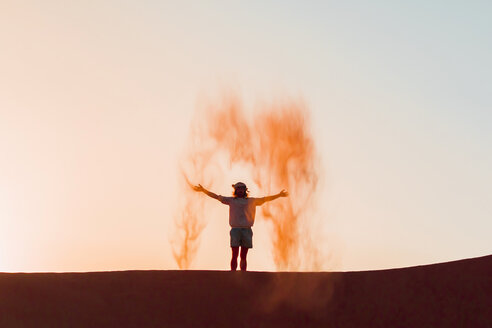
<point>198,188</point>
<point>283,193</point>
<point>208,193</point>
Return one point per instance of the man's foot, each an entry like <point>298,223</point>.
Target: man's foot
<point>235,253</point>
<point>243,265</point>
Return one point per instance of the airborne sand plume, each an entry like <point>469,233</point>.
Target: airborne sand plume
<point>276,147</point>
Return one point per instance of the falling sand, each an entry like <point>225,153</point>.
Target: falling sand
<point>276,148</point>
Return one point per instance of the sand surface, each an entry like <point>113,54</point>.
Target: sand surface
<point>453,294</point>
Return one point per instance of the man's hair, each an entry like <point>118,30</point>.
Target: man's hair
<point>239,185</point>
<point>246,195</point>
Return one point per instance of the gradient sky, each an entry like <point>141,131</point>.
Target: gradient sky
<point>96,98</point>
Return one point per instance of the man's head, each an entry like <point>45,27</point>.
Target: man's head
<point>240,190</point>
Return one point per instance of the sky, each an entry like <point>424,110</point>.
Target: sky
<point>96,100</point>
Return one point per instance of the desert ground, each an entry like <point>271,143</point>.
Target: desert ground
<point>452,294</point>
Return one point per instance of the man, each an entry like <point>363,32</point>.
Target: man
<point>242,211</point>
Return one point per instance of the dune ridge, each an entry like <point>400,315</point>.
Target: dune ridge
<point>451,294</point>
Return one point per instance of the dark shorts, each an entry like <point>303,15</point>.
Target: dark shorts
<point>241,237</point>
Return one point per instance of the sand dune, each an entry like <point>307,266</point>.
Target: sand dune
<point>453,294</point>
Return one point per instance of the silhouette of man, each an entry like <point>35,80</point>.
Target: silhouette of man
<point>241,218</point>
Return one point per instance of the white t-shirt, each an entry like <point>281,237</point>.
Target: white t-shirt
<point>241,210</point>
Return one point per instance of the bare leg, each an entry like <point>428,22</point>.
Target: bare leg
<point>244,253</point>
<point>235,253</point>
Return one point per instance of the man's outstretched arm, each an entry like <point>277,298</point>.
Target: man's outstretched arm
<point>205,191</point>
<point>283,193</point>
